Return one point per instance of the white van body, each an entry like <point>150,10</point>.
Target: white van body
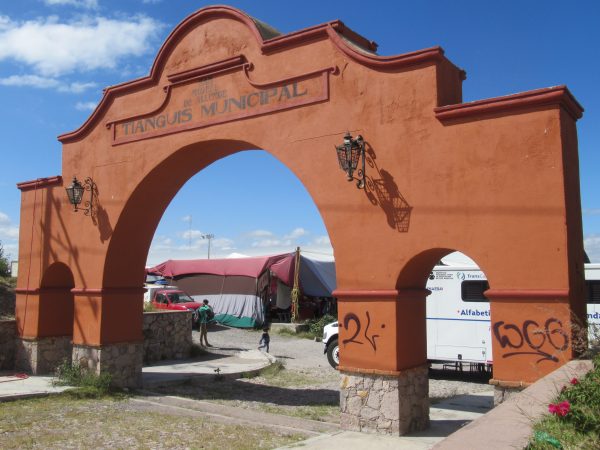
<point>458,327</point>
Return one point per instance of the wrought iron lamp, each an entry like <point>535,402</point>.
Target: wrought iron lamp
<point>75,194</point>
<point>349,154</point>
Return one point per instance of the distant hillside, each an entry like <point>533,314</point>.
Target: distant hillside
<point>7,298</point>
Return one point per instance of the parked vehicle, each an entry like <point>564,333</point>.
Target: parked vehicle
<point>176,300</point>
<point>332,348</point>
<point>458,316</point>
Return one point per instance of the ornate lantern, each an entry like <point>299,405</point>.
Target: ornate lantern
<point>349,154</point>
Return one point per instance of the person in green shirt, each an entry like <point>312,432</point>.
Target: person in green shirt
<point>206,314</point>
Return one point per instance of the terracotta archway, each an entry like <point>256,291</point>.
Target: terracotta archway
<point>497,178</point>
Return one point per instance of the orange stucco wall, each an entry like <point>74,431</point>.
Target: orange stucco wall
<point>497,179</point>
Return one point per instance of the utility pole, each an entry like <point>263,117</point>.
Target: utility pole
<point>209,237</point>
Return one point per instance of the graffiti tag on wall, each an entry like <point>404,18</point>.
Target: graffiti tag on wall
<point>529,338</point>
<point>356,328</point>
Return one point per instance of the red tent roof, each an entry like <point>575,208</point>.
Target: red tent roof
<point>249,267</point>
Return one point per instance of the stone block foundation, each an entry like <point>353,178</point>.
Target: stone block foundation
<point>41,356</point>
<point>123,361</point>
<point>503,393</point>
<point>386,404</point>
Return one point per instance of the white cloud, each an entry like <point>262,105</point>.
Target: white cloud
<point>9,232</point>
<point>53,48</point>
<point>223,244</point>
<point>187,219</point>
<point>87,4</point>
<point>591,244</point>
<point>322,240</point>
<point>296,233</point>
<point>591,211</point>
<point>9,236</point>
<point>260,233</point>
<point>192,234</point>
<point>39,82</point>
<point>151,2</point>
<point>265,243</point>
<point>258,242</point>
<point>85,106</point>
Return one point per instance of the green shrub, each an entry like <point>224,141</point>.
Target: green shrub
<point>579,427</point>
<point>315,326</point>
<point>149,307</point>
<point>88,384</point>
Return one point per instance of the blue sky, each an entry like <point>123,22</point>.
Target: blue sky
<point>56,56</point>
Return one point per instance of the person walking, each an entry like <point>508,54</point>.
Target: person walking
<point>206,315</point>
<point>265,339</point>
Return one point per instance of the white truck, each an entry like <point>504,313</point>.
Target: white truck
<point>458,316</point>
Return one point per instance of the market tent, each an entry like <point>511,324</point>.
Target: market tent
<point>234,287</point>
<point>238,288</point>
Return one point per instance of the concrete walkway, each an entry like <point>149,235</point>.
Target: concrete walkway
<point>446,416</point>
<point>13,386</point>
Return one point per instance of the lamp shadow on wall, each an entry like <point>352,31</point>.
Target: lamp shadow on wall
<point>100,217</point>
<point>382,190</point>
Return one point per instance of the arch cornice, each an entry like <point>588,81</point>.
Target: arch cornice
<point>350,43</point>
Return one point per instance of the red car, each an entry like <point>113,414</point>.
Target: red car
<point>176,300</point>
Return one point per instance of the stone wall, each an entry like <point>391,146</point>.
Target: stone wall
<point>167,335</point>
<point>8,334</point>
<point>122,361</point>
<point>42,356</point>
<point>384,404</point>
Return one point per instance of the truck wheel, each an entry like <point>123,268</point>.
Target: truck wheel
<point>333,354</point>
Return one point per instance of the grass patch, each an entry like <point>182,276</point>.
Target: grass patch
<point>315,328</point>
<point>86,383</point>
<point>577,425</point>
<point>61,422</point>
<point>321,413</point>
<point>292,333</point>
<point>277,375</point>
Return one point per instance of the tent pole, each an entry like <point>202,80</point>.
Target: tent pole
<point>296,288</point>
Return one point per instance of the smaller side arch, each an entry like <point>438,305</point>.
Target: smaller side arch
<point>56,302</point>
<point>415,272</point>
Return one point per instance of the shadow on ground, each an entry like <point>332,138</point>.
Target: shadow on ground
<point>212,389</point>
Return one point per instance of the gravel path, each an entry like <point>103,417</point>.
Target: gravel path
<point>307,357</point>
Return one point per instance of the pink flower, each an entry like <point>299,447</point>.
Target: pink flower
<point>574,381</point>
<point>560,409</point>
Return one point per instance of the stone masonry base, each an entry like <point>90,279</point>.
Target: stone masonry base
<point>503,393</point>
<point>384,404</point>
<point>123,361</point>
<point>41,356</point>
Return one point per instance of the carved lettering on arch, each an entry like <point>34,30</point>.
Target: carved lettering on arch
<point>224,95</point>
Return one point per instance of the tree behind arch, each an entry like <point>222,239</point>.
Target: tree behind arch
<point>4,263</point>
